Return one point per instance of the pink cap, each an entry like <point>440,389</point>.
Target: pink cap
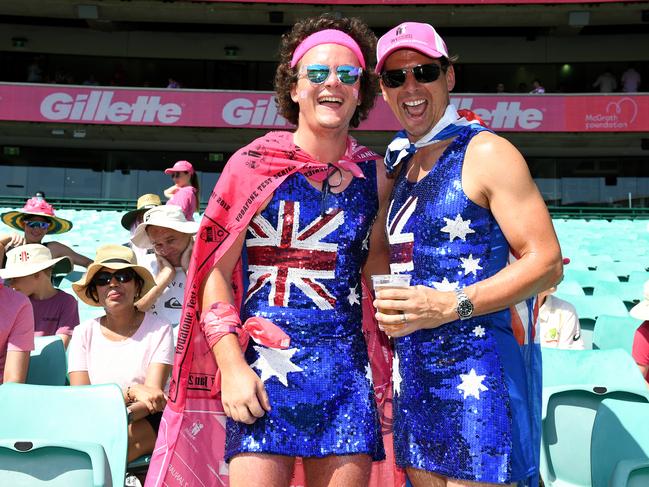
<point>410,35</point>
<point>181,166</point>
<point>327,36</point>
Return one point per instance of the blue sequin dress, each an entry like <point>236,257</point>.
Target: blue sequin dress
<point>460,390</point>
<point>303,266</point>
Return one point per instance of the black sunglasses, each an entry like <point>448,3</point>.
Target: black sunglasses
<point>103,278</point>
<point>175,175</point>
<point>423,73</point>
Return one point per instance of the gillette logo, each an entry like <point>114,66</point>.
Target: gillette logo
<point>98,106</point>
<point>243,111</point>
<point>506,115</point>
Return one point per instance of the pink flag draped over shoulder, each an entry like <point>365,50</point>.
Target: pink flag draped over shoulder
<point>190,447</point>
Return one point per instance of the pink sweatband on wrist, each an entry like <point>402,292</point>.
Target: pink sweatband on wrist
<point>327,36</point>
<point>221,320</point>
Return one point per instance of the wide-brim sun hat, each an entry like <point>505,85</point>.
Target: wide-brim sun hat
<point>410,35</point>
<point>113,257</point>
<point>641,310</point>
<point>37,207</point>
<point>144,203</point>
<point>166,216</point>
<point>180,166</point>
<point>29,259</point>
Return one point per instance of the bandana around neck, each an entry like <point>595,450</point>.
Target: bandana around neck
<point>451,124</point>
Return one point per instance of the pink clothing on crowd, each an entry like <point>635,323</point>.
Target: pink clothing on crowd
<point>16,325</point>
<point>124,362</point>
<point>186,198</point>
<point>641,346</point>
<point>57,315</point>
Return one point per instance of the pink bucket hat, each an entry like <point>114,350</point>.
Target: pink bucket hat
<point>410,35</point>
<point>181,166</point>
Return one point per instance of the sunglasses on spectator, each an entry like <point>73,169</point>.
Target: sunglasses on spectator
<point>319,73</point>
<point>103,278</point>
<point>38,224</point>
<point>423,73</point>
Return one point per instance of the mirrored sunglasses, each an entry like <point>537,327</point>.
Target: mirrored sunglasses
<point>423,73</point>
<point>319,73</point>
<point>38,224</point>
<point>103,278</point>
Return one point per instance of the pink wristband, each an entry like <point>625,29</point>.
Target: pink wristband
<point>221,319</point>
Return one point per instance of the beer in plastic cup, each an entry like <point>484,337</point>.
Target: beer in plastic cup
<point>387,281</point>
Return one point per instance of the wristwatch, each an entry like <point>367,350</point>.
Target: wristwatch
<point>464,308</point>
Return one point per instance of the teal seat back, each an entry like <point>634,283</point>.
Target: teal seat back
<point>74,419</point>
<point>620,433</point>
<point>47,362</point>
<point>574,383</point>
<point>614,332</point>
<point>630,473</point>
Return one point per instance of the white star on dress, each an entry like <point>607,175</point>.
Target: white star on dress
<point>445,285</point>
<point>479,331</point>
<point>470,265</point>
<point>368,373</point>
<point>457,228</point>
<point>396,376</point>
<point>472,384</point>
<point>353,296</point>
<point>275,362</point>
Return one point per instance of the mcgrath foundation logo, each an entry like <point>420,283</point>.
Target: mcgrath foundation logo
<point>617,115</point>
<point>400,30</point>
<point>213,233</point>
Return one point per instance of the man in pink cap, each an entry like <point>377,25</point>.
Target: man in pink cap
<point>465,368</point>
<point>185,191</point>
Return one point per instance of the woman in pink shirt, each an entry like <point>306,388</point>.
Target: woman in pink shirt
<point>125,346</point>
<point>16,335</point>
<point>185,191</point>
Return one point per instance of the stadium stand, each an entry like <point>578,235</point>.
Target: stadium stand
<point>47,362</point>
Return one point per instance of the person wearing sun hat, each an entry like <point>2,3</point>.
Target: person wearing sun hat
<point>29,270</point>
<point>640,349</point>
<point>131,219</point>
<point>124,346</point>
<point>185,191</point>
<point>37,219</point>
<point>165,230</point>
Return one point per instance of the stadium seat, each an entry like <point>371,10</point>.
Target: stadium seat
<point>630,473</point>
<point>614,332</point>
<point>588,278</point>
<point>592,306</point>
<point>626,424</point>
<point>570,288</point>
<point>62,436</point>
<point>623,290</point>
<point>624,268</point>
<point>574,383</point>
<point>47,362</point>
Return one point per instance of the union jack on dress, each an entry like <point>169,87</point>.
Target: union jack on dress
<point>401,244</point>
<point>284,255</point>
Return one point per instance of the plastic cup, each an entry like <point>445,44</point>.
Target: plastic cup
<point>390,281</point>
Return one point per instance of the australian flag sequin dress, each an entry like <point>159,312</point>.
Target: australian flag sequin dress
<point>304,258</point>
<point>460,390</point>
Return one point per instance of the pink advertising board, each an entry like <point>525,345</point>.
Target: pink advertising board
<point>247,109</point>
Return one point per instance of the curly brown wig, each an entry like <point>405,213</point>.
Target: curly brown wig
<point>286,77</point>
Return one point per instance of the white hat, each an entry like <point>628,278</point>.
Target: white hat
<point>641,310</point>
<point>29,259</point>
<point>167,216</point>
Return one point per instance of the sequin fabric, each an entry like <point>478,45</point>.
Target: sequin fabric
<point>460,389</point>
<point>303,265</point>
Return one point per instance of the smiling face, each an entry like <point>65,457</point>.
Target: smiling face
<point>417,106</point>
<point>329,105</point>
<point>34,235</point>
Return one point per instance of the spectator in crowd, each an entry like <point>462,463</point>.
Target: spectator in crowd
<point>465,406</point>
<point>165,230</point>
<point>37,219</point>
<point>29,269</point>
<point>558,321</point>
<point>606,82</point>
<point>16,335</point>
<point>500,88</point>
<point>631,80</point>
<point>34,71</point>
<point>537,89</point>
<point>91,80</point>
<point>40,195</point>
<point>131,219</point>
<point>185,191</point>
<point>640,350</point>
<point>125,346</point>
<point>172,83</point>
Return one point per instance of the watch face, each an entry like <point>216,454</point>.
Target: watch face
<point>464,308</point>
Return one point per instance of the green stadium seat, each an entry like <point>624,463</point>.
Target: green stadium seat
<point>47,362</point>
<point>588,278</point>
<point>623,268</point>
<point>627,292</point>
<point>620,434</point>
<point>614,332</point>
<point>630,473</point>
<point>570,288</point>
<point>591,307</point>
<point>62,436</point>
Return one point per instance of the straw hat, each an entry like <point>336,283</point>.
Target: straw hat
<point>114,257</point>
<point>36,206</point>
<point>144,202</point>
<point>167,216</point>
<point>29,259</point>
<point>641,310</point>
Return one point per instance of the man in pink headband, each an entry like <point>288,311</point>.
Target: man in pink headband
<point>302,208</point>
<point>467,362</point>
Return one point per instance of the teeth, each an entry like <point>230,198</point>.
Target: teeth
<point>414,103</point>
<point>331,99</point>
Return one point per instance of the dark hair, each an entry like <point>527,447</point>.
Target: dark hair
<point>91,288</point>
<point>193,180</point>
<point>286,77</point>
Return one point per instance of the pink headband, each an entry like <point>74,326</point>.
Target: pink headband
<point>328,36</point>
